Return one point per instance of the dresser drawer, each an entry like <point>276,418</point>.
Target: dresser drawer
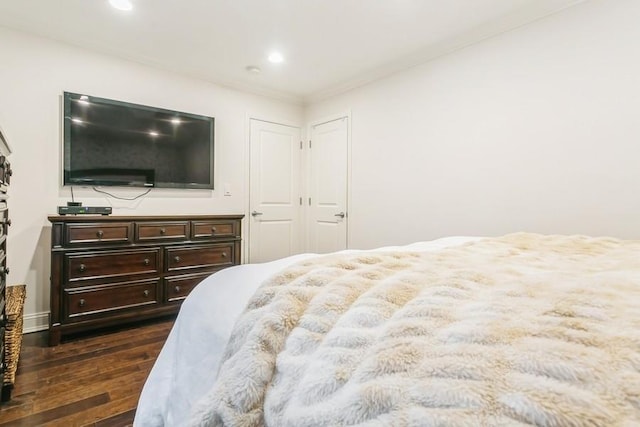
<point>81,234</point>
<point>101,265</point>
<point>193,257</point>
<point>5,171</point>
<point>5,222</point>
<point>4,270</point>
<point>150,231</point>
<point>114,297</point>
<point>3,311</point>
<point>214,229</point>
<point>179,287</point>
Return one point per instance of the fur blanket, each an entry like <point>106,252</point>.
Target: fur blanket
<point>519,330</point>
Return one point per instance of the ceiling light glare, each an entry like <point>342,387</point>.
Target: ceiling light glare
<point>153,133</point>
<point>276,57</point>
<point>121,4</point>
<point>84,99</point>
<point>176,121</point>
<point>76,120</point>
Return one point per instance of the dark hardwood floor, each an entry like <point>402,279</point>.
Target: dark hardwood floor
<point>88,380</point>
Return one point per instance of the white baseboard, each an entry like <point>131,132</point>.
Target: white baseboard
<point>35,322</point>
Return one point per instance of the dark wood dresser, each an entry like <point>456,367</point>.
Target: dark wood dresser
<point>109,270</point>
<point>5,179</point>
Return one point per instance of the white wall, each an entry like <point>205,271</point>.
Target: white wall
<point>537,129</point>
<point>34,72</point>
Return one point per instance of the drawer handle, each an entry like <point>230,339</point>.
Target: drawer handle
<point>146,292</point>
<point>82,268</point>
<point>146,261</point>
<point>163,230</point>
<point>7,222</point>
<point>177,289</point>
<point>99,234</point>
<point>224,254</point>
<point>81,302</point>
<point>176,258</point>
<point>213,230</point>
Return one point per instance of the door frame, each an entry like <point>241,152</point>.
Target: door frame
<point>246,221</point>
<point>307,175</point>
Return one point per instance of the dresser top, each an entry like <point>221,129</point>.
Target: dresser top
<point>5,148</point>
<point>116,218</point>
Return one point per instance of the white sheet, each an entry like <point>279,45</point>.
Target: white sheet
<point>188,363</point>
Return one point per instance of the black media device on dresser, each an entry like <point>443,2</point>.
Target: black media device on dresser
<point>110,270</point>
<point>84,210</point>
<point>5,179</point>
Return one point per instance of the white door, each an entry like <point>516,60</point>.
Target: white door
<point>274,219</point>
<point>328,186</point>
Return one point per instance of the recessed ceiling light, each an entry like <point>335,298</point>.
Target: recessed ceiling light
<point>276,57</point>
<point>121,4</point>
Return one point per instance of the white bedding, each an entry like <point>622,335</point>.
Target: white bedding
<point>187,365</point>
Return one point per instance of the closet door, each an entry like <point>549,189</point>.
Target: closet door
<point>327,217</point>
<point>275,193</point>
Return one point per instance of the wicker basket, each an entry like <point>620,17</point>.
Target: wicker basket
<point>13,332</point>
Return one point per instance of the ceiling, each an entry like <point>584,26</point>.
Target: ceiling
<point>329,45</point>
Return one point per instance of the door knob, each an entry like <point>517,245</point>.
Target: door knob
<point>340,215</point>
<point>255,213</point>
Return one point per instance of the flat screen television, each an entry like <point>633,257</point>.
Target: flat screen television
<point>115,143</point>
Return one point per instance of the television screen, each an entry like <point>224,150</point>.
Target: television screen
<point>109,142</point>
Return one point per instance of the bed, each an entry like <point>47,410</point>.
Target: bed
<point>523,329</point>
